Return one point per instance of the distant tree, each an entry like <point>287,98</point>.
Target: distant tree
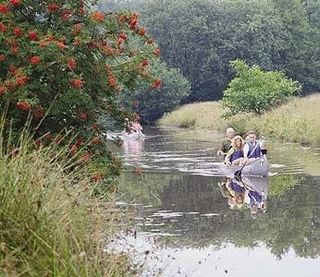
<point>152,102</point>
<point>253,90</point>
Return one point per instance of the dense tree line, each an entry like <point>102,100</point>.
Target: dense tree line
<point>202,37</point>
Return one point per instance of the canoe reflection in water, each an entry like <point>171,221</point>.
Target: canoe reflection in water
<point>250,192</point>
<point>133,150</point>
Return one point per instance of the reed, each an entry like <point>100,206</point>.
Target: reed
<point>49,223</point>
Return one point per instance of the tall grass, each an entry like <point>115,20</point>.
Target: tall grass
<point>49,224</point>
<point>296,121</point>
<point>198,115</point>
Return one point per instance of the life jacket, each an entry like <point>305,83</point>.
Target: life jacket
<point>236,155</point>
<point>257,151</point>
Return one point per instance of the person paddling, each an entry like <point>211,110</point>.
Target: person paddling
<point>252,147</point>
<point>235,154</point>
<point>226,143</point>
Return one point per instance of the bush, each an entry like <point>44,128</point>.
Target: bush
<point>62,65</point>
<point>253,90</point>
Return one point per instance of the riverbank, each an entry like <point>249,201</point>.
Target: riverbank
<point>50,225</point>
<point>296,121</point>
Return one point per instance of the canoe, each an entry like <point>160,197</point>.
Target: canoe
<point>255,167</point>
<point>132,136</point>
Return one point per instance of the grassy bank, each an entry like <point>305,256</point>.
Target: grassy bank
<point>198,115</point>
<point>296,121</point>
<point>49,223</point>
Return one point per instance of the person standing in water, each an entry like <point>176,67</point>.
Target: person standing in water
<point>226,143</point>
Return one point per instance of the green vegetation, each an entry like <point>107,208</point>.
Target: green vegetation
<point>255,91</point>
<point>296,121</point>
<point>202,38</point>
<point>153,103</point>
<point>50,224</point>
<point>62,67</point>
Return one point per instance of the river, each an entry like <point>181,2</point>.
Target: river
<point>186,223</point>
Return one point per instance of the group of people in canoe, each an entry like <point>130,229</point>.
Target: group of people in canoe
<point>134,126</point>
<point>238,151</point>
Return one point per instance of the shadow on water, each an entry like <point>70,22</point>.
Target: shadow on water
<point>202,224</point>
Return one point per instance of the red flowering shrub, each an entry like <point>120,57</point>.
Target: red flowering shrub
<point>64,65</point>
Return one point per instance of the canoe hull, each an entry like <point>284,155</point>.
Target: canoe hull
<point>256,167</point>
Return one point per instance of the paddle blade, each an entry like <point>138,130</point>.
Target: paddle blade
<point>237,174</point>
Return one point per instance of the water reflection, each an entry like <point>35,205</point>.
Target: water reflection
<point>250,192</point>
<point>190,211</point>
<point>133,150</point>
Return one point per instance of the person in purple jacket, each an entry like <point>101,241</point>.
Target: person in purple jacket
<point>235,154</point>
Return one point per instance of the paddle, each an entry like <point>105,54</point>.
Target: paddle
<point>237,174</point>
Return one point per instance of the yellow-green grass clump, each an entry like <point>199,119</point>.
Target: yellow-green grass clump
<point>49,223</point>
<point>198,115</point>
<point>296,121</point>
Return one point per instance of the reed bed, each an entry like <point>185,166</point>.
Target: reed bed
<point>49,223</point>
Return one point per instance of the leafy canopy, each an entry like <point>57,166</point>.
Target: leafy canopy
<point>253,90</point>
<point>63,65</point>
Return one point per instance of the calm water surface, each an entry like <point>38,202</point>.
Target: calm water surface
<point>188,224</point>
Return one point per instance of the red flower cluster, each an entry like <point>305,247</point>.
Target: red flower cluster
<point>133,21</point>
<point>17,31</point>
<point>77,83</point>
<point>122,38</point>
<point>15,3</point>
<point>71,62</point>
<point>3,89</point>
<point>4,8</point>
<point>157,52</point>
<point>76,29</point>
<point>156,84</point>
<point>144,63</point>
<point>97,16</point>
<point>53,7</point>
<point>61,45</point>
<point>97,177</point>
<point>21,80</point>
<point>86,156</point>
<point>112,81</point>
<point>23,106</point>
<point>83,116</point>
<point>32,35</point>
<point>66,14</point>
<point>35,60</point>
<point>142,31</point>
<point>3,27</point>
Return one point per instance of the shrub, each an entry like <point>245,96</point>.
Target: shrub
<point>253,90</point>
<point>63,65</point>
